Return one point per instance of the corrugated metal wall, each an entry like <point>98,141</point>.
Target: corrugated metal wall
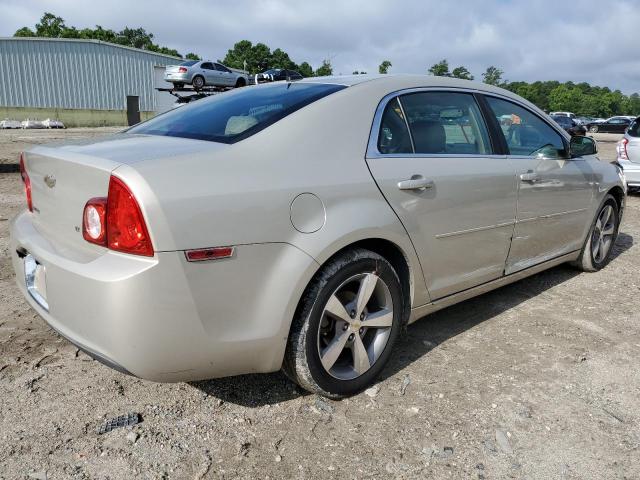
<point>78,74</point>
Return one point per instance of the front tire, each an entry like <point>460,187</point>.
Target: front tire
<point>594,129</point>
<point>346,325</point>
<point>598,247</point>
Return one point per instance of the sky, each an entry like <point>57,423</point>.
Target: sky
<point>589,40</point>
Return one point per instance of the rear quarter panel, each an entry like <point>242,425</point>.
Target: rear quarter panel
<point>242,194</point>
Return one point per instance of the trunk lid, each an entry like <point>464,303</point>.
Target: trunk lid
<point>172,69</point>
<point>64,177</point>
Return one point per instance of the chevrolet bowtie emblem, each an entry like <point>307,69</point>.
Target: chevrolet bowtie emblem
<point>50,180</point>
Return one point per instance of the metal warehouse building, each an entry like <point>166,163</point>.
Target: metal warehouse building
<point>81,82</point>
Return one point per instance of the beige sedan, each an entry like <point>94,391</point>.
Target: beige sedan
<point>302,225</point>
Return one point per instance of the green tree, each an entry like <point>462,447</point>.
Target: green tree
<point>192,56</point>
<point>492,76</point>
<point>280,59</point>
<point>440,69</point>
<point>305,69</point>
<point>462,72</point>
<point>325,69</point>
<point>634,104</point>
<point>50,26</point>
<point>24,32</point>
<point>384,66</point>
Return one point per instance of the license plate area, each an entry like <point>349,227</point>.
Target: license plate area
<point>35,279</point>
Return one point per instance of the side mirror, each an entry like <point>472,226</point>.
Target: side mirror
<point>581,146</point>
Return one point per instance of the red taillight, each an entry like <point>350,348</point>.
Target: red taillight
<point>622,151</point>
<point>27,182</point>
<point>182,70</point>
<point>126,229</point>
<point>116,221</point>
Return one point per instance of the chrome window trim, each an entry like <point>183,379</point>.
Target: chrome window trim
<point>372,145</point>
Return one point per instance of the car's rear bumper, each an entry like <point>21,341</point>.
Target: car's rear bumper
<point>166,319</point>
<point>631,172</point>
<point>177,77</point>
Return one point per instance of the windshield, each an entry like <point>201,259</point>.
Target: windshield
<point>189,63</point>
<point>233,116</point>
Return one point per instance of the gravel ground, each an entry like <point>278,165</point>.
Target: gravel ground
<point>535,380</point>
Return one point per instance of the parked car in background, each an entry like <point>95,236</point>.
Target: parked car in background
<point>586,120</point>
<point>277,74</point>
<point>52,123</point>
<point>28,123</point>
<point>201,74</point>
<point>611,125</point>
<point>563,114</point>
<point>569,125</point>
<point>629,154</point>
<point>206,242</point>
<point>8,123</point>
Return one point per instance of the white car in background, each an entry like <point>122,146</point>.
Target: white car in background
<point>51,123</point>
<point>7,123</point>
<point>629,154</point>
<point>204,73</point>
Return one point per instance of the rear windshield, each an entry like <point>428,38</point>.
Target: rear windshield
<point>233,116</point>
<point>634,128</point>
<point>189,63</point>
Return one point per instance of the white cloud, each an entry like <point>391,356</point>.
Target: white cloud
<point>592,41</point>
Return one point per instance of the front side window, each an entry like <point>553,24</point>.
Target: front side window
<point>446,123</point>
<point>236,115</point>
<point>526,134</point>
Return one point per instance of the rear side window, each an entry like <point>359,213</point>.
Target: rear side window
<point>394,136</point>
<point>526,134</point>
<point>446,123</point>
<point>634,128</point>
<point>233,116</point>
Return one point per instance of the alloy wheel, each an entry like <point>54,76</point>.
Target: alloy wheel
<point>355,326</point>
<point>603,233</point>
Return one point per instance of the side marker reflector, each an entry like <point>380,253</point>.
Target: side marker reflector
<point>203,254</point>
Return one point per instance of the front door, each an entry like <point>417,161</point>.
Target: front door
<point>554,191</point>
<point>432,158</point>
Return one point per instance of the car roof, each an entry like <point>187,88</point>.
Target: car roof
<point>403,81</point>
<point>396,82</point>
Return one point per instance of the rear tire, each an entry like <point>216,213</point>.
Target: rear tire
<point>346,325</point>
<point>241,82</point>
<point>198,82</point>
<point>598,247</point>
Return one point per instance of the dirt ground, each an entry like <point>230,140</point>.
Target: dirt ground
<point>536,380</point>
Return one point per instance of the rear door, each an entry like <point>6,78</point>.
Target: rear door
<point>431,155</point>
<point>554,191</point>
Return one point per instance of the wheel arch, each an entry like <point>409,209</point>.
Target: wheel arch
<point>391,252</point>
<point>618,194</point>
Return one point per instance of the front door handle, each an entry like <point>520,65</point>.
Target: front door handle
<point>417,182</point>
<point>529,177</point>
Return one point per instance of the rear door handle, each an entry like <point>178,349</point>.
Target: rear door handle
<point>529,177</point>
<point>417,182</point>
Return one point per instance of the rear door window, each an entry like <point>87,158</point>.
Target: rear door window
<point>447,123</point>
<point>233,116</point>
<point>526,134</point>
<point>394,136</point>
<point>634,128</point>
